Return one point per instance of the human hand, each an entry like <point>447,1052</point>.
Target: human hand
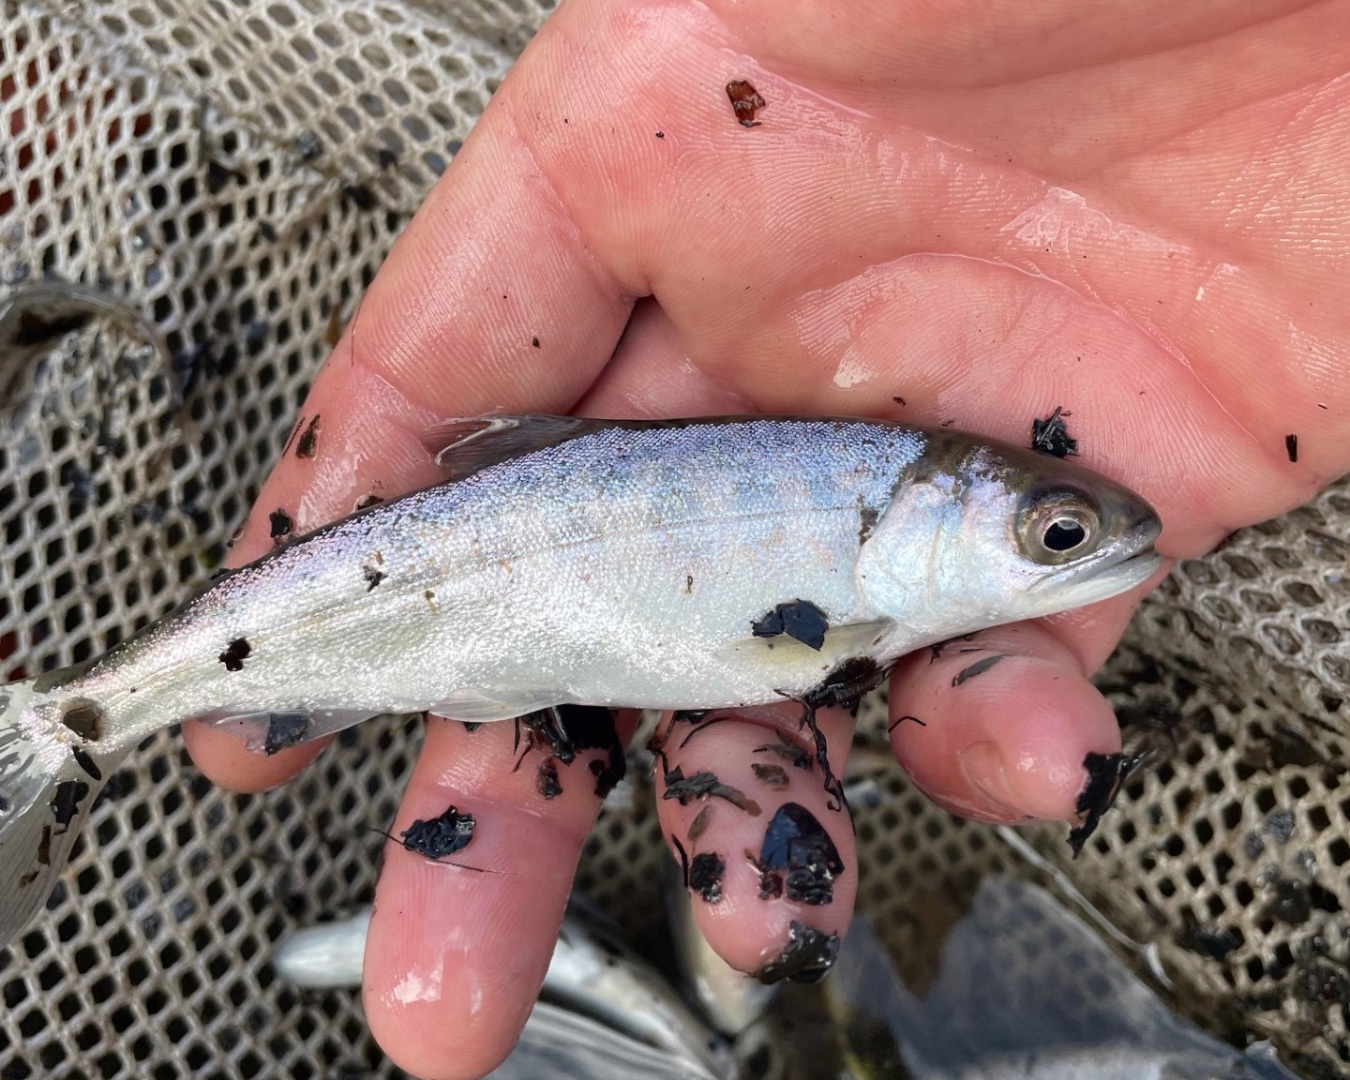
<point>951,211</point>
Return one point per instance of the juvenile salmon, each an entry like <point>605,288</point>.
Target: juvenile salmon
<point>688,564</point>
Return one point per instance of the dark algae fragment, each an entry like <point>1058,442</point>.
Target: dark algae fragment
<point>1051,435</point>
<point>772,777</point>
<point>284,730</point>
<point>807,958</point>
<point>797,859</point>
<point>309,439</point>
<point>372,575</point>
<point>66,800</point>
<point>85,762</point>
<point>1106,776</point>
<point>699,825</point>
<point>704,785</point>
<point>745,102</point>
<point>798,619</point>
<point>1291,447</point>
<point>705,876</point>
<point>236,652</point>
<point>796,756</point>
<point>546,779</point>
<point>977,668</point>
<point>440,836</point>
<point>281,525</point>
<point>844,687</point>
<point>565,729</point>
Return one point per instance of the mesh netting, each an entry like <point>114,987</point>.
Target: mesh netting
<point>220,180</point>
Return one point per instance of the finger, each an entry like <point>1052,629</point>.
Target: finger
<point>766,845</point>
<point>455,958</point>
<point>996,726</point>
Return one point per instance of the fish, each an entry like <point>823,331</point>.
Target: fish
<point>592,977</point>
<point>567,560</point>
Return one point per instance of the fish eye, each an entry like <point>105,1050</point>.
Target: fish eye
<point>1059,525</point>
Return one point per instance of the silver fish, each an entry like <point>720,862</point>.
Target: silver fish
<point>671,565</point>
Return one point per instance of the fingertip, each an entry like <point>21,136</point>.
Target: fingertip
<point>224,760</point>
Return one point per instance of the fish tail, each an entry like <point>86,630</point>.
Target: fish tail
<point>49,779</point>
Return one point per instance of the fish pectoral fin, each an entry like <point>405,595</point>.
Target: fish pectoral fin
<point>844,639</point>
<point>463,446</point>
<point>476,707</point>
<point>270,732</point>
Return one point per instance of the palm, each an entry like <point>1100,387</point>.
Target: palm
<point>961,215</point>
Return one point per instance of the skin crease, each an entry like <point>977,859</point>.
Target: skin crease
<point>1137,211</point>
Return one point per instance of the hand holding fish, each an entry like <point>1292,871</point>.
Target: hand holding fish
<point>676,210</point>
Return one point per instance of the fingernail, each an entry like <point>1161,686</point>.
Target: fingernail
<point>982,766</point>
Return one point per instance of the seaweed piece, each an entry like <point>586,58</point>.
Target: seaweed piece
<point>236,652</point>
<point>705,876</point>
<point>797,858</point>
<point>437,837</point>
<point>771,776</point>
<point>807,957</point>
<point>978,668</point>
<point>1106,776</point>
<point>1051,436</point>
<point>284,730</point>
<point>546,779</point>
<point>704,785</point>
<point>1291,447</point>
<point>280,524</point>
<point>66,800</point>
<point>745,102</point>
<point>797,619</point>
<point>797,756</point>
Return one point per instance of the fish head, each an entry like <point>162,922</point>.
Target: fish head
<point>978,534</point>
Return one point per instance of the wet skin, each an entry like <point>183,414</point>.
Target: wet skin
<point>1142,215</point>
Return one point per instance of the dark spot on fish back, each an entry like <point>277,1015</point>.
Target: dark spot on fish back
<point>309,439</point>
<point>284,730</point>
<point>807,958</point>
<point>85,762</point>
<point>705,876</point>
<point>867,521</point>
<point>440,836</point>
<point>771,776</point>
<point>372,575</point>
<point>236,652</point>
<point>281,525</point>
<point>977,668</point>
<point>745,102</point>
<point>798,619</point>
<point>546,780</point>
<point>1291,447</point>
<point>85,719</point>
<point>66,800</point>
<point>798,859</point>
<point>44,851</point>
<point>1051,435</point>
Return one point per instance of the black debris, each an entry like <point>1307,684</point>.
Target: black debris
<point>977,668</point>
<point>797,859</point>
<point>534,342</point>
<point>843,687</point>
<point>660,134</point>
<point>565,729</point>
<point>440,836</point>
<point>938,647</point>
<point>309,439</point>
<point>372,575</point>
<point>702,726</point>
<point>807,958</point>
<point>546,779</point>
<point>1291,446</point>
<point>1106,776</point>
<point>699,825</point>
<point>365,502</point>
<point>899,400</point>
<point>44,851</point>
<point>1051,436</point>
<point>799,619</point>
<point>684,860</point>
<point>85,762</point>
<point>900,720</point>
<point>281,524</point>
<point>66,800</point>
<point>745,102</point>
<point>771,776</point>
<point>471,726</point>
<point>236,652</point>
<point>705,876</point>
<point>704,785</point>
<point>284,730</point>
<point>797,756</point>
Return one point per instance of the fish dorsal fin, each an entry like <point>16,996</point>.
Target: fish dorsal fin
<point>463,446</point>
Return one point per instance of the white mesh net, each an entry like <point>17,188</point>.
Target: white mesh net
<point>192,197</point>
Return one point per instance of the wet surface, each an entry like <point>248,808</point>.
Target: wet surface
<point>284,730</point>
<point>797,859</point>
<point>1051,435</point>
<point>807,958</point>
<point>745,102</point>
